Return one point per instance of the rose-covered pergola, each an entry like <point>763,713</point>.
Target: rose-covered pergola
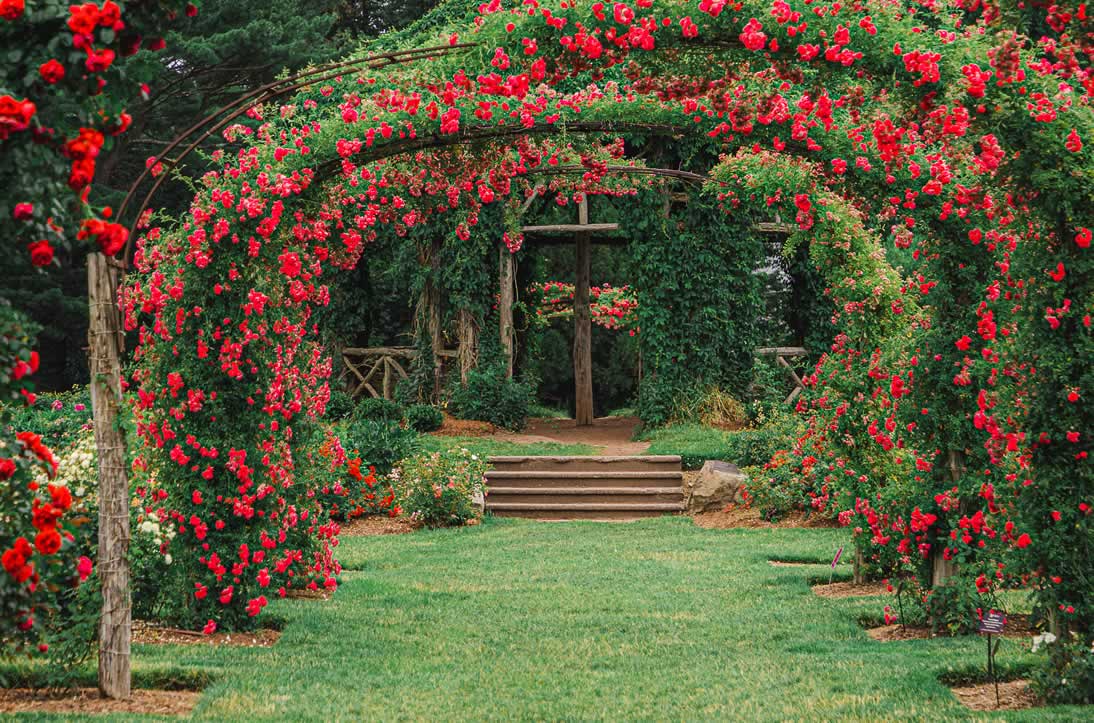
<point>949,422</point>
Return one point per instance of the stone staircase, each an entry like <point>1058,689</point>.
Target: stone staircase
<point>584,488</point>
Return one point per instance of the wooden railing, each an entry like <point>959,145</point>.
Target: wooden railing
<point>376,370</point>
<point>781,354</point>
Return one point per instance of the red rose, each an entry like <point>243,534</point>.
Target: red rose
<point>83,19</point>
<point>15,115</point>
<point>60,496</point>
<point>191,10</point>
<point>7,469</point>
<point>24,211</point>
<point>41,253</point>
<point>48,541</point>
<point>11,9</point>
<point>99,60</point>
<point>51,71</point>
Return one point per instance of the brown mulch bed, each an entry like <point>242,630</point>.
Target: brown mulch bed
<point>306,594</point>
<point>82,701</point>
<point>748,517</point>
<point>890,633</point>
<point>1018,626</point>
<point>850,589</point>
<point>1013,695</point>
<point>148,634</point>
<point>376,525</point>
<point>452,427</point>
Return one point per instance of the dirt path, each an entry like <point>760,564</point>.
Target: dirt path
<point>611,435</point>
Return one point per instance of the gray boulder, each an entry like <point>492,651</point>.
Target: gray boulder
<point>717,485</point>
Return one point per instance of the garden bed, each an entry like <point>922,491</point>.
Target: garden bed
<point>736,516</point>
<point>87,701</point>
<point>850,589</point>
<point>1013,695</point>
<point>376,525</point>
<point>145,633</point>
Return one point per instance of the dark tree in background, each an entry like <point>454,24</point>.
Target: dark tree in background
<point>229,48</point>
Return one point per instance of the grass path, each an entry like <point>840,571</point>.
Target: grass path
<point>650,620</point>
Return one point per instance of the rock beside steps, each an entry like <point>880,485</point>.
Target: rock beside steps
<point>585,488</point>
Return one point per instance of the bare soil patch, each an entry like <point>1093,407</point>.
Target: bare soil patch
<point>891,633</point>
<point>611,434</point>
<point>452,427</point>
<point>306,594</point>
<point>146,633</point>
<point>1013,695</point>
<point>376,525</point>
<point>850,589</point>
<point>749,517</point>
<point>82,701</point>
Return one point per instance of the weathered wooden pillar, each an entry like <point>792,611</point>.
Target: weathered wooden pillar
<point>583,350</point>
<point>508,289</point>
<point>105,341</point>
<point>434,313</point>
<point>468,331</point>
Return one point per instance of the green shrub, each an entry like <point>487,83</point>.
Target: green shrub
<point>489,395</point>
<point>379,443</point>
<point>58,418</point>
<point>340,405</point>
<point>1070,678</point>
<point>696,443</point>
<point>379,409</point>
<point>424,417</point>
<point>438,488</point>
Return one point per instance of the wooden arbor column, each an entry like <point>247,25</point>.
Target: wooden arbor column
<point>507,273</point>
<point>105,341</point>
<point>583,324</point>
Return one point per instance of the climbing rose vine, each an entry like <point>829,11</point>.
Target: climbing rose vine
<point>948,423</point>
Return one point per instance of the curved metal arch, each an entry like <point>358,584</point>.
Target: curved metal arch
<point>275,89</point>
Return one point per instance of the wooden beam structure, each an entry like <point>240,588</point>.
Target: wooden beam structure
<point>507,273</point>
<point>583,322</point>
<point>781,354</point>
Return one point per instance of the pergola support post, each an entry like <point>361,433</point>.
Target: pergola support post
<point>583,323</point>
<point>507,297</point>
<point>105,340</point>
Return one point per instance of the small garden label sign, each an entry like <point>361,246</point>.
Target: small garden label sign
<point>992,623</point>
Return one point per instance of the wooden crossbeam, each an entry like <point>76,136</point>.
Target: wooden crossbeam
<point>572,228</point>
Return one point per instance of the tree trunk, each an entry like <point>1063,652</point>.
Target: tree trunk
<point>507,284</point>
<point>941,568</point>
<point>859,568</point>
<point>105,340</point>
<point>583,350</point>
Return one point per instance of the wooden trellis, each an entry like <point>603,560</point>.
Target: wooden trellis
<point>781,354</point>
<point>376,370</point>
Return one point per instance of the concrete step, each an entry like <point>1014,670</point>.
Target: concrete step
<point>574,487</point>
<point>587,510</point>
<point>582,495</point>
<point>575,479</point>
<point>634,463</point>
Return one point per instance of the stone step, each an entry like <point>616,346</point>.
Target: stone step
<point>582,495</point>
<point>585,510</point>
<point>596,478</point>
<point>578,463</point>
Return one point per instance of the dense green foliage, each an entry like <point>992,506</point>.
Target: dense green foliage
<point>424,417</point>
<point>489,395</point>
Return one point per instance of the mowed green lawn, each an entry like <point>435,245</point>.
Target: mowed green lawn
<point>656,619</point>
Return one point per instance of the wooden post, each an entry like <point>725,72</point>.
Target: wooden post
<point>507,282</point>
<point>583,351</point>
<point>105,340</point>
<point>436,318</point>
<point>468,330</point>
